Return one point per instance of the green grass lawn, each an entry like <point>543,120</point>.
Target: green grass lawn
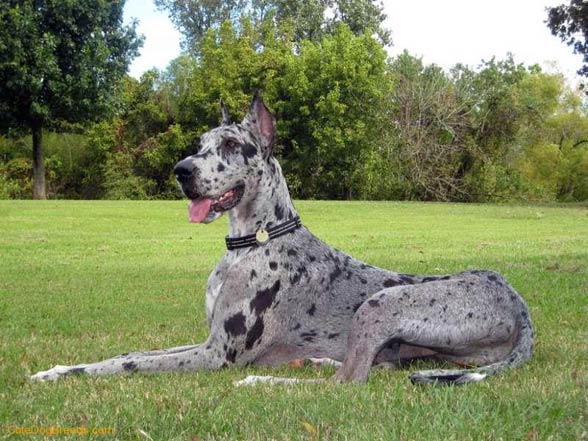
<point>82,281</point>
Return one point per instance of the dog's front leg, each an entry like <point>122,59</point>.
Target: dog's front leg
<point>183,358</point>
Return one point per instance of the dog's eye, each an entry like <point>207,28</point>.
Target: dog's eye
<point>230,144</point>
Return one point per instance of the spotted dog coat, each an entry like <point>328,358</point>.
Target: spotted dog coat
<point>297,297</point>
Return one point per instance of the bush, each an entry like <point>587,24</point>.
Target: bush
<point>15,179</point>
<point>121,183</point>
<point>573,178</point>
<point>376,177</point>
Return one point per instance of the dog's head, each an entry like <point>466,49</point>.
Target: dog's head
<point>230,163</point>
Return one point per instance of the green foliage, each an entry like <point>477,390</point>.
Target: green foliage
<point>573,175</point>
<point>352,124</point>
<point>59,61</point>
<point>308,19</point>
<point>120,181</point>
<point>330,111</point>
<point>136,152</point>
<point>15,180</point>
<point>570,24</point>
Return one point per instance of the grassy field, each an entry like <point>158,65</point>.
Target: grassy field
<point>82,281</point>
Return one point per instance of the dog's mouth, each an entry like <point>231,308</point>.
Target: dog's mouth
<point>206,209</point>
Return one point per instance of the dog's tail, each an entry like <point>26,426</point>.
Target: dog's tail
<point>520,353</point>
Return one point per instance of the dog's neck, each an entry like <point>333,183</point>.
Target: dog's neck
<point>266,203</point>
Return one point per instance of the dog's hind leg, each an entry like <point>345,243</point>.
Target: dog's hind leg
<point>471,318</point>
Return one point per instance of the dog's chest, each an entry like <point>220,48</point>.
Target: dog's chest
<point>217,279</point>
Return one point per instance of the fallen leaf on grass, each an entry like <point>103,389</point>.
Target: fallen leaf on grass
<point>310,429</point>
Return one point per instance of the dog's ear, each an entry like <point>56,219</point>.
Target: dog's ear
<point>262,122</point>
<point>226,118</point>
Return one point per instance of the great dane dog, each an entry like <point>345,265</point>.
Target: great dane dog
<point>280,294</point>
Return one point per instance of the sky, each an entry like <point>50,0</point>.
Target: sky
<point>441,32</point>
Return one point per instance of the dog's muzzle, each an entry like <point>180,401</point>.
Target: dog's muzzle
<point>184,170</point>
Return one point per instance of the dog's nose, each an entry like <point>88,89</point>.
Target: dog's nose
<point>184,169</point>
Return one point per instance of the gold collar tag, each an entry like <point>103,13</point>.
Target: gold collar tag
<point>262,236</point>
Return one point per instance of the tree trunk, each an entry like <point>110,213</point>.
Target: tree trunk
<point>38,165</point>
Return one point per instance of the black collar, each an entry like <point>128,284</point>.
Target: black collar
<point>262,236</point>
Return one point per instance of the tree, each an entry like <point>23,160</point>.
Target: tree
<point>309,19</point>
<point>60,60</point>
<point>329,110</point>
<point>570,23</point>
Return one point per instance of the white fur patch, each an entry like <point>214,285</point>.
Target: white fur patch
<point>256,379</point>
<point>51,374</point>
<point>473,377</point>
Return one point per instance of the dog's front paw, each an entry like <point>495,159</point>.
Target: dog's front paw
<point>53,374</point>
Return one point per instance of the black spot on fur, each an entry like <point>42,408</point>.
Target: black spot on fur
<point>292,253</point>
<point>432,302</point>
<point>446,379</point>
<point>273,265</point>
<point>267,252</point>
<point>373,303</point>
<point>356,306</point>
<point>235,325</point>
<point>76,371</point>
<point>254,333</point>
<point>296,327</point>
<point>406,279</point>
<point>279,212</point>
<point>430,279</point>
<point>295,278</point>
<point>470,314</point>
<point>389,283</point>
<point>253,275</point>
<point>248,151</point>
<point>311,310</point>
<point>130,366</point>
<point>335,274</point>
<point>264,298</point>
<point>333,335</point>
<point>231,355</point>
<point>220,167</point>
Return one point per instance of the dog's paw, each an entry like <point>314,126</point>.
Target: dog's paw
<point>52,374</point>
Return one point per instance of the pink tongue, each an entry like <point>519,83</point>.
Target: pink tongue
<point>198,210</point>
